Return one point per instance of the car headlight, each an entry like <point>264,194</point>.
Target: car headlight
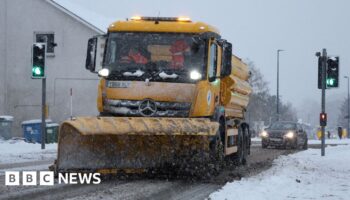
<point>103,72</point>
<point>264,134</point>
<point>195,75</point>
<point>290,135</point>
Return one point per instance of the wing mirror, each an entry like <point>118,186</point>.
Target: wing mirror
<point>226,59</point>
<point>95,52</point>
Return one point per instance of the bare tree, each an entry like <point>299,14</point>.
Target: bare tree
<point>262,105</point>
<point>343,114</point>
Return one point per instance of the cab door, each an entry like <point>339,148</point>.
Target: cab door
<point>208,90</point>
<point>214,63</point>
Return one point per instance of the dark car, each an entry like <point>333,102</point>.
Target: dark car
<point>284,134</point>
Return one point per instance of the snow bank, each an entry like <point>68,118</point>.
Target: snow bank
<point>304,175</point>
<point>14,151</point>
<point>310,141</point>
<point>330,141</point>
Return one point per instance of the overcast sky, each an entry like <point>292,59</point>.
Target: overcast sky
<point>257,28</point>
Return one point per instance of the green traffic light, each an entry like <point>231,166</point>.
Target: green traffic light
<point>37,71</point>
<point>330,81</point>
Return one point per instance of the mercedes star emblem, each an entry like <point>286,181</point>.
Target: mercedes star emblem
<point>147,108</point>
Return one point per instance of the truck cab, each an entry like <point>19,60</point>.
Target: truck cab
<point>159,67</point>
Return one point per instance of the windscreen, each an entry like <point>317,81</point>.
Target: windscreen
<point>166,57</point>
<point>283,126</point>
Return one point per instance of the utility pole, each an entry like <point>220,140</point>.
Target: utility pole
<point>348,111</point>
<point>278,77</point>
<point>347,77</point>
<point>71,103</point>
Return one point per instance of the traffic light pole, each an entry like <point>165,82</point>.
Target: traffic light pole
<point>348,126</point>
<point>348,111</point>
<point>38,72</point>
<point>43,114</point>
<point>323,98</point>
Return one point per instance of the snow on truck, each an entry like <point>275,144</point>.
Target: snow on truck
<point>171,93</point>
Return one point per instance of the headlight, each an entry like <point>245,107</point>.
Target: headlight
<point>103,72</point>
<point>290,135</point>
<point>264,134</point>
<point>195,75</point>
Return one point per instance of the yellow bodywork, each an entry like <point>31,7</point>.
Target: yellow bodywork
<point>169,92</point>
<point>94,143</point>
<point>163,26</point>
<point>236,89</point>
<point>132,143</point>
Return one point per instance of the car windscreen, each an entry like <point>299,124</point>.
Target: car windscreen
<point>283,126</point>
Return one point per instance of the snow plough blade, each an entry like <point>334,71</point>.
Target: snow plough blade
<point>99,143</point>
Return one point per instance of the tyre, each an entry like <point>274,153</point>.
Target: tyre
<point>305,146</point>
<point>217,156</point>
<point>241,155</point>
<point>217,149</point>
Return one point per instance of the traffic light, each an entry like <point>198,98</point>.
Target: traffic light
<point>332,77</point>
<point>38,60</point>
<point>323,119</point>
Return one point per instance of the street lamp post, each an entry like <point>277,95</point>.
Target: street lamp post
<point>278,77</point>
<point>347,77</point>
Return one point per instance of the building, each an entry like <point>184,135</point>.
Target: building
<point>24,22</point>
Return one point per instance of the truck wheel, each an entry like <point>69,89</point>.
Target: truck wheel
<point>218,155</point>
<point>241,155</point>
<point>216,160</point>
<point>217,150</point>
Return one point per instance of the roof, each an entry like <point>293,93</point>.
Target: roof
<point>92,20</point>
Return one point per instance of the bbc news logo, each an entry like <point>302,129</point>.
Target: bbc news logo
<point>13,178</point>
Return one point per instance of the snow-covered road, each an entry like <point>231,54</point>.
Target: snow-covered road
<point>304,175</point>
<point>301,175</point>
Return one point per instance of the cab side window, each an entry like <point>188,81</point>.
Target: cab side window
<point>212,61</point>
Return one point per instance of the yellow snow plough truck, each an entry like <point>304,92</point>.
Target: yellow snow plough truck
<point>171,94</point>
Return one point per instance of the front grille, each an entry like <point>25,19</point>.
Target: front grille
<point>276,135</point>
<point>131,108</point>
